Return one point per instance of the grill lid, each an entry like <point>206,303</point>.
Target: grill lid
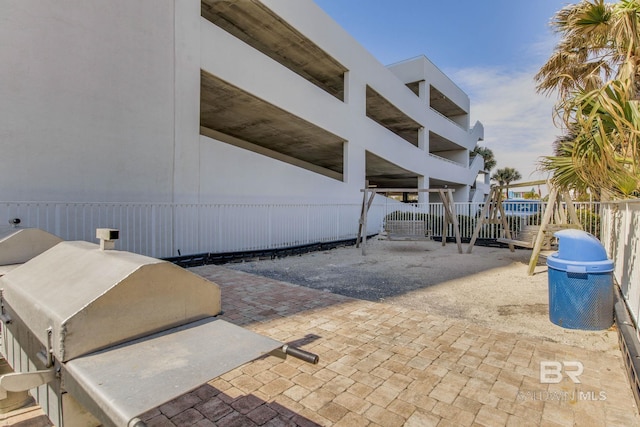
<point>93,299</point>
<point>19,245</point>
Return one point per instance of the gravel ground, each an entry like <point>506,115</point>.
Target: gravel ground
<point>490,286</point>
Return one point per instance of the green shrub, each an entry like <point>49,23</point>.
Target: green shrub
<point>590,221</point>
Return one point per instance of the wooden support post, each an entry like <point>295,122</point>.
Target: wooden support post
<point>492,213</point>
<point>558,206</point>
<point>483,216</point>
<point>546,218</point>
<point>571,210</point>
<point>445,219</point>
<point>363,214</point>
<point>456,225</point>
<point>362,229</point>
<point>450,218</point>
<point>447,201</point>
<point>505,223</point>
<point>371,198</point>
<point>364,223</point>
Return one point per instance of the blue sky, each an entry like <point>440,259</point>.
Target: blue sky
<point>491,49</point>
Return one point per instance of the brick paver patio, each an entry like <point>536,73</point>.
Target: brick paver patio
<point>385,365</point>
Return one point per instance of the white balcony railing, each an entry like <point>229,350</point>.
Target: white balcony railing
<point>444,159</point>
<point>464,128</point>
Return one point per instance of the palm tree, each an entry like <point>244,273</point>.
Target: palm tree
<point>596,71</point>
<point>601,151</point>
<point>505,176</point>
<point>566,175</point>
<point>599,42</point>
<point>487,155</point>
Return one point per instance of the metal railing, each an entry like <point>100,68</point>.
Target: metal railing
<point>468,215</point>
<point>165,230</point>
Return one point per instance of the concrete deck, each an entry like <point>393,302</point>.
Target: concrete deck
<point>386,365</point>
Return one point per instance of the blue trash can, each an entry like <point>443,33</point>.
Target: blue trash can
<point>580,282</point>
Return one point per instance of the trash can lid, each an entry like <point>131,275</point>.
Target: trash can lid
<point>556,262</point>
<point>579,252</point>
<point>578,245</point>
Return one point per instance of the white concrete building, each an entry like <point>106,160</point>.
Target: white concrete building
<point>207,102</point>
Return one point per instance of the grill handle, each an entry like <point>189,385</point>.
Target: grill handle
<point>46,355</point>
<point>300,354</point>
<point>136,422</point>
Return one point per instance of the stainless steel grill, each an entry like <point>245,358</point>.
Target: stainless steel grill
<point>101,336</point>
<point>19,245</point>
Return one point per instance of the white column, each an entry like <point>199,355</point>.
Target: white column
<point>423,182</point>
<point>423,92</point>
<point>423,139</point>
<point>186,168</point>
<point>347,87</point>
<point>355,168</point>
<point>461,194</point>
<point>355,94</point>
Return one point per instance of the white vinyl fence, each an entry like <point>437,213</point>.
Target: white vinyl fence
<point>621,238</point>
<point>167,230</point>
<point>468,215</point>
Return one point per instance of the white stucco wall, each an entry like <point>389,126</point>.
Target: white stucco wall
<point>265,181</point>
<point>240,65</point>
<point>186,150</point>
<point>102,104</point>
<point>422,69</point>
<point>87,100</point>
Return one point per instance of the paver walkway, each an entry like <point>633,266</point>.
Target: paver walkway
<point>385,365</point>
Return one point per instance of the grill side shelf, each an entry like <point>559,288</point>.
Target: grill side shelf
<point>120,383</point>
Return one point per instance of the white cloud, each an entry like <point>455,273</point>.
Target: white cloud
<point>518,122</point>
